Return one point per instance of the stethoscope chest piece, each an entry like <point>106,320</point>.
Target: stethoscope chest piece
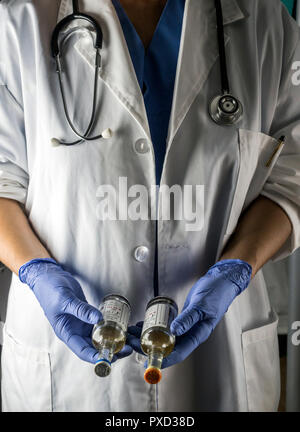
<point>225,110</point>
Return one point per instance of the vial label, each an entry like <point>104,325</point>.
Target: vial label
<point>157,315</point>
<point>116,311</point>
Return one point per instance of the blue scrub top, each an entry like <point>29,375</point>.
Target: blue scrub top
<point>290,5</point>
<point>155,69</point>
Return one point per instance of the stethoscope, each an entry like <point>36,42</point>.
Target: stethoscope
<point>56,54</point>
<point>224,109</point>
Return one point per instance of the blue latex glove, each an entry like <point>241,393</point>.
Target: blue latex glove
<point>205,305</point>
<point>65,306</point>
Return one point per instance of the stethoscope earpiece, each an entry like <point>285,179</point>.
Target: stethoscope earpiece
<point>225,110</point>
<point>106,134</point>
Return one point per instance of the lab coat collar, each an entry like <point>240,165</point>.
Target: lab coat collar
<point>231,11</point>
<point>117,70</point>
<point>194,65</point>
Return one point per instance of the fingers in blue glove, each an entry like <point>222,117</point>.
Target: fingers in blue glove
<point>140,324</point>
<point>134,336</point>
<point>82,348</point>
<point>64,304</point>
<point>83,311</point>
<point>187,343</point>
<point>134,331</point>
<point>135,343</point>
<point>125,352</point>
<point>186,320</point>
<point>85,351</point>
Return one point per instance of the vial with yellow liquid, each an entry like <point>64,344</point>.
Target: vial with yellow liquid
<point>157,341</point>
<point>109,335</point>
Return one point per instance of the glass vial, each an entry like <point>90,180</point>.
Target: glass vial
<point>109,335</point>
<point>157,341</point>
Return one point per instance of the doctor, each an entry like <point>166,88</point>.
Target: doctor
<point>65,258</point>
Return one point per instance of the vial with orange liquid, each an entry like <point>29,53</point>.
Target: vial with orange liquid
<point>157,341</point>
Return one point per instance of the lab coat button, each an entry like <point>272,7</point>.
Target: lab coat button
<point>142,146</point>
<point>141,253</point>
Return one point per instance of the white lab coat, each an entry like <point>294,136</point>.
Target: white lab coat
<point>277,275</point>
<point>237,369</point>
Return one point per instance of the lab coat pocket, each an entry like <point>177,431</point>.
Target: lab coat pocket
<point>255,150</point>
<point>262,368</point>
<point>26,377</point>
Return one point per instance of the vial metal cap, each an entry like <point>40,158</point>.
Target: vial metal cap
<point>102,368</point>
<point>162,299</point>
<point>152,375</point>
<point>116,297</point>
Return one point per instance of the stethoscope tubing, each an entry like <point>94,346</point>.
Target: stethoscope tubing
<point>56,54</point>
<point>221,42</point>
<point>65,22</point>
<point>84,137</point>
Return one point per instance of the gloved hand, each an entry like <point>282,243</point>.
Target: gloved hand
<point>65,306</point>
<point>204,307</point>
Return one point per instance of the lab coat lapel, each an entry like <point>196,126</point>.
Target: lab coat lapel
<point>197,54</point>
<point>117,70</point>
